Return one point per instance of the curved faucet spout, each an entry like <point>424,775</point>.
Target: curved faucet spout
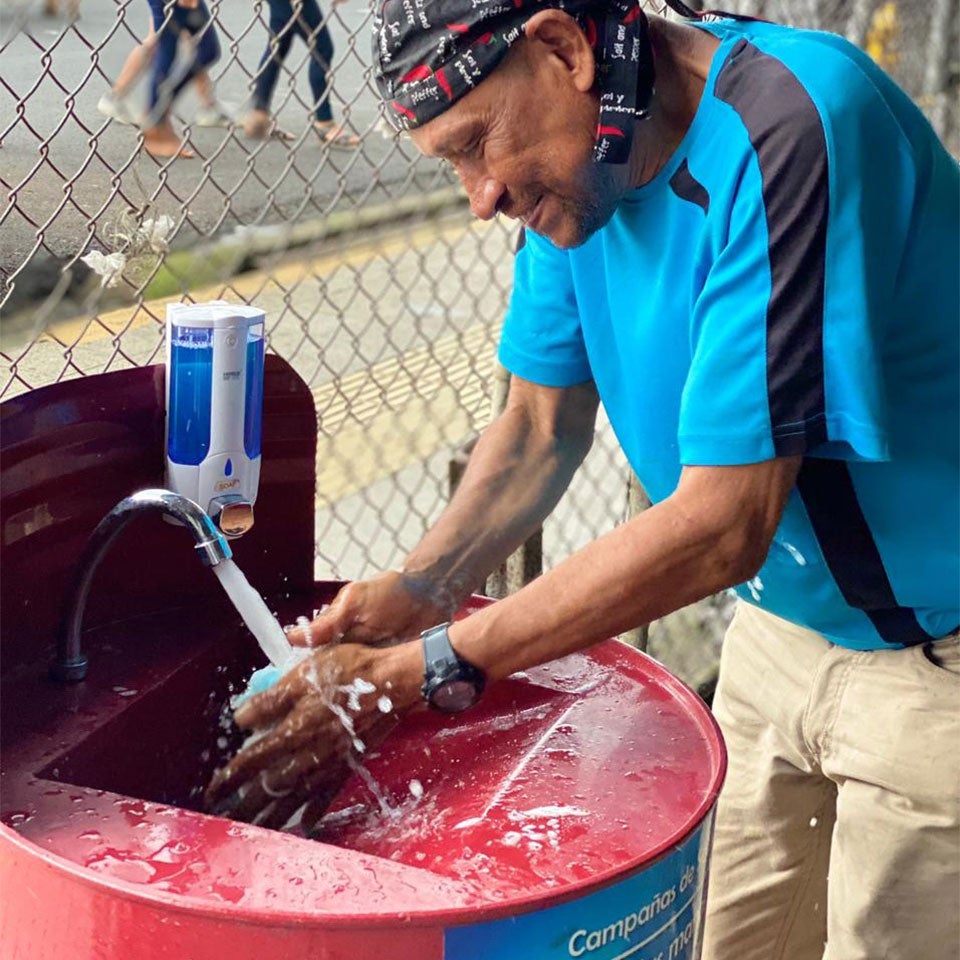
<point>210,543</point>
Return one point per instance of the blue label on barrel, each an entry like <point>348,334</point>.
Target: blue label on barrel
<point>653,915</point>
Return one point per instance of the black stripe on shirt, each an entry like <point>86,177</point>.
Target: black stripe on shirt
<point>687,187</point>
<point>787,135</point>
<point>851,553</point>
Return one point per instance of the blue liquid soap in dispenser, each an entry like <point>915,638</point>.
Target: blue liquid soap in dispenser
<point>215,408</point>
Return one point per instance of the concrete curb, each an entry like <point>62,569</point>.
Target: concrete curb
<point>238,251</point>
<point>44,288</point>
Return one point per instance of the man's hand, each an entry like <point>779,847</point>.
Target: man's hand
<point>341,702</point>
<point>391,606</point>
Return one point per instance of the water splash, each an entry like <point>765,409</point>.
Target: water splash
<point>390,813</point>
<point>551,812</point>
<point>354,690</point>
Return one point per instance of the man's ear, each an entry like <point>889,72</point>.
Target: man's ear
<point>555,34</point>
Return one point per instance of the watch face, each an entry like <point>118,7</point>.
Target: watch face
<point>454,696</point>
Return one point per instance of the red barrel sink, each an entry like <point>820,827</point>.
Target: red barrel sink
<point>567,815</point>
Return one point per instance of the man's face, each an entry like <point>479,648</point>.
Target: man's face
<point>522,144</point>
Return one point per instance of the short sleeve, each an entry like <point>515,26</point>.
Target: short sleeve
<point>786,329</point>
<point>542,340</point>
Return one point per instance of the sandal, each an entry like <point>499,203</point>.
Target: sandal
<point>336,135</point>
<point>256,128</point>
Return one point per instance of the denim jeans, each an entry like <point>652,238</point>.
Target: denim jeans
<point>305,19</point>
<point>171,22</point>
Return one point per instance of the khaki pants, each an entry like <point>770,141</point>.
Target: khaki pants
<point>843,764</point>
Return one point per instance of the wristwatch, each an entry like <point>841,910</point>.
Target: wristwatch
<point>450,683</point>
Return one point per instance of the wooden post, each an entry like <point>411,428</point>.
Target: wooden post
<point>936,82</point>
<point>525,564</point>
<point>637,502</point>
<point>458,464</point>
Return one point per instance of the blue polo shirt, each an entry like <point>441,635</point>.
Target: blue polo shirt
<point>787,284</point>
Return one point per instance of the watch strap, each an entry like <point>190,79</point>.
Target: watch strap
<point>442,664</point>
<point>438,652</point>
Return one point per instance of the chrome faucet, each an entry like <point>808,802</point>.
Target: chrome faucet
<point>71,664</point>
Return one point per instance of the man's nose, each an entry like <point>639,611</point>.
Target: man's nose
<point>484,191</point>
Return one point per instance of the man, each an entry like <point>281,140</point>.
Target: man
<point>744,240</point>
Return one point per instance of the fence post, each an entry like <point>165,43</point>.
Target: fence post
<point>525,564</point>
<point>936,78</point>
<point>637,502</point>
<point>858,21</point>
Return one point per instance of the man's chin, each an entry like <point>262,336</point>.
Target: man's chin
<point>568,237</point>
<point>558,239</point>
<point>565,231</point>
<point>572,230</point>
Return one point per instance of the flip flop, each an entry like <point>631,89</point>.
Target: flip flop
<point>278,133</point>
<point>266,131</point>
<point>337,136</point>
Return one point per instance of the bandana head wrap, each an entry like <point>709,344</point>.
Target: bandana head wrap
<point>428,54</point>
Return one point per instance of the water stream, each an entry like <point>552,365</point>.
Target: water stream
<point>255,613</point>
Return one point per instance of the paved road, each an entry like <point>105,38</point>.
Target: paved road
<point>73,174</point>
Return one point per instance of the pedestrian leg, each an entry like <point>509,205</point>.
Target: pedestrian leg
<point>159,137</point>
<point>258,123</point>
<point>313,29</point>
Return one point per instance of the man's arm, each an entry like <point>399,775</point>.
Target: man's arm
<point>514,478</point>
<point>517,472</point>
<point>712,533</point>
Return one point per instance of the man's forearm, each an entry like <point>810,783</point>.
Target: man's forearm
<point>673,554</point>
<point>514,478</point>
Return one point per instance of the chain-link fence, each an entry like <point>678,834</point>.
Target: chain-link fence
<point>377,286</point>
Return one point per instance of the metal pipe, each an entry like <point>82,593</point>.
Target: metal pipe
<point>71,664</point>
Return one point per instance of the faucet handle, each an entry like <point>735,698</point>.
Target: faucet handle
<point>232,514</point>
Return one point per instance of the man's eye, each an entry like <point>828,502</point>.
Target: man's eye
<point>469,150</point>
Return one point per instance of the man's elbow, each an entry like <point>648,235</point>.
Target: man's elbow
<point>736,512</point>
<point>741,549</point>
